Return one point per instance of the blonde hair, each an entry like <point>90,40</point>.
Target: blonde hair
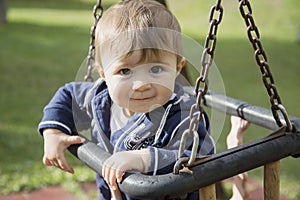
<point>131,25</point>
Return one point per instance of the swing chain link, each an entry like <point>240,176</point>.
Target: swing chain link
<point>97,12</point>
<point>261,60</point>
<point>196,110</point>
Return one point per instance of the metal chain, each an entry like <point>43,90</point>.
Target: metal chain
<point>261,60</point>
<point>206,62</point>
<point>97,11</point>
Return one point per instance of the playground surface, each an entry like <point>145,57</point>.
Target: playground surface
<point>59,193</point>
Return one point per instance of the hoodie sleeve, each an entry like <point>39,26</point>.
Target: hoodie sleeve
<point>67,110</point>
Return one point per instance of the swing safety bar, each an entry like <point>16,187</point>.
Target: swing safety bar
<point>212,169</point>
<point>256,115</point>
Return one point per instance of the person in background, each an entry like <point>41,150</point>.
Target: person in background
<point>234,139</point>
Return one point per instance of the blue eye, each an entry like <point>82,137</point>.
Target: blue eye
<point>125,71</point>
<point>156,69</point>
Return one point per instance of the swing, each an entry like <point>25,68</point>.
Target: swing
<point>202,172</point>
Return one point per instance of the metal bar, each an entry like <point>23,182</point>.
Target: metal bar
<point>256,115</point>
<point>213,169</point>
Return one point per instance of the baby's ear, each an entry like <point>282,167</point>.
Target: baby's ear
<point>102,75</point>
<point>101,72</point>
<point>180,65</point>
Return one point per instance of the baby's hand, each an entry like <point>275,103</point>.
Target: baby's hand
<point>55,143</point>
<point>120,162</point>
<point>239,124</point>
<point>238,128</point>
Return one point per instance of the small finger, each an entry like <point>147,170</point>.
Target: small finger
<point>119,175</point>
<point>109,174</point>
<point>63,164</point>
<point>74,140</point>
<point>104,170</point>
<point>112,178</point>
<point>106,167</point>
<point>54,163</point>
<point>46,161</point>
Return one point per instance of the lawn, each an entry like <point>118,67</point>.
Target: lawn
<point>45,43</point>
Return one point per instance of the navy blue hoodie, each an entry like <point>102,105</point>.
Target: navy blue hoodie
<point>82,105</point>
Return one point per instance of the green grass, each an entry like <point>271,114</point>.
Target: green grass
<point>44,44</point>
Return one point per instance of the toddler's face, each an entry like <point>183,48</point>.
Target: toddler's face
<point>141,87</point>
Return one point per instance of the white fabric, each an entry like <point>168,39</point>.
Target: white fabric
<point>118,119</point>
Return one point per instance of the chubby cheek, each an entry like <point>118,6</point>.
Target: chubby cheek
<point>119,92</point>
<point>167,81</point>
<point>164,94</point>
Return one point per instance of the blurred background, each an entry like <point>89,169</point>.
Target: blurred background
<point>43,44</point>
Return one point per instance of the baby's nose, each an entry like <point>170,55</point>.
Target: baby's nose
<point>140,85</point>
